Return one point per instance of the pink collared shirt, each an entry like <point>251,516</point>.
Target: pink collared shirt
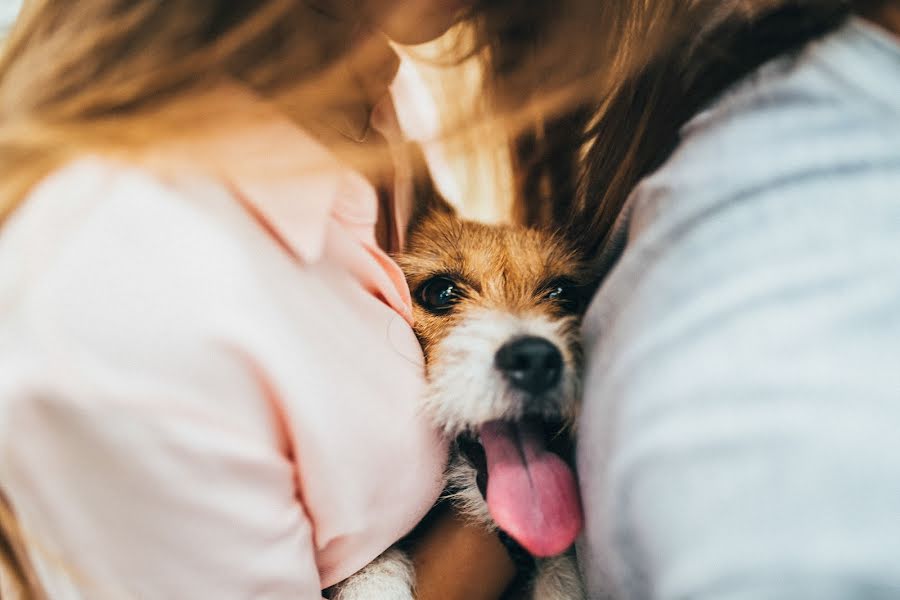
<point>209,384</point>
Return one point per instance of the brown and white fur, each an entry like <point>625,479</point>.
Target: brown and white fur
<point>507,283</point>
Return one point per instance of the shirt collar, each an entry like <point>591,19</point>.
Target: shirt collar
<point>270,163</point>
<point>282,172</point>
<point>294,185</point>
<point>284,175</point>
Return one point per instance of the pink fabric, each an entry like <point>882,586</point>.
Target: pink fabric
<point>209,386</point>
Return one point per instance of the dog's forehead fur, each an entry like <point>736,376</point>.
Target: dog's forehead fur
<point>497,268</point>
<point>501,266</point>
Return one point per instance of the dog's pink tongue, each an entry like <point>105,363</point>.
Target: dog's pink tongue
<point>531,492</point>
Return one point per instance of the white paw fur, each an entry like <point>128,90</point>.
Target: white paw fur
<point>389,577</point>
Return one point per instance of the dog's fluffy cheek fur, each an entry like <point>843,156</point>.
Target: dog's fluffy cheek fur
<point>463,491</point>
<point>464,387</point>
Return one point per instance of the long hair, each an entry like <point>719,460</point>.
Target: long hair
<point>119,76</point>
<point>609,85</point>
<point>16,573</point>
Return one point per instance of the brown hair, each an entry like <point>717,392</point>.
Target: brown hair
<point>15,565</point>
<point>611,83</point>
<point>118,76</point>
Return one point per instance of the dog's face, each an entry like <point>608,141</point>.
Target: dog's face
<point>497,311</point>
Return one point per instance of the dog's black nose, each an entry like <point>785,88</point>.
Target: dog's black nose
<point>532,364</point>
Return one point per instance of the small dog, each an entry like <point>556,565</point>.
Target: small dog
<point>497,311</point>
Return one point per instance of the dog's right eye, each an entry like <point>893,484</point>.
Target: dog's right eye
<point>439,294</point>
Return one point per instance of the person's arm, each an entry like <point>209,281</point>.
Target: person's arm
<point>153,496</point>
<point>744,444</point>
<point>739,438</point>
<point>137,448</point>
<point>149,501</point>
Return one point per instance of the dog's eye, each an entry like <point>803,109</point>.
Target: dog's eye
<point>439,294</point>
<point>556,293</point>
<point>565,294</point>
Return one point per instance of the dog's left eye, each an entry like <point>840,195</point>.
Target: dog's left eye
<point>565,294</point>
<point>556,293</point>
<point>439,294</point>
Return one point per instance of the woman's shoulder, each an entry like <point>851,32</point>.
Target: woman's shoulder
<point>832,108</point>
<point>107,246</point>
<point>127,195</point>
<point>96,205</point>
<point>845,83</point>
<point>116,284</point>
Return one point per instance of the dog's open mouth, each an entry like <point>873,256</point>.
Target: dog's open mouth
<point>531,491</point>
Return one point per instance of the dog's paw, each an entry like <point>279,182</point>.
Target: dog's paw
<point>389,577</point>
<point>558,578</point>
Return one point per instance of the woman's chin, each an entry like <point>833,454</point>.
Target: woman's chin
<point>414,22</point>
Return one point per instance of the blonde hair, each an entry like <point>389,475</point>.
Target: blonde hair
<point>16,573</point>
<point>119,76</point>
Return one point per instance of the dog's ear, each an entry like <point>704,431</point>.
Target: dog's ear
<point>427,200</point>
